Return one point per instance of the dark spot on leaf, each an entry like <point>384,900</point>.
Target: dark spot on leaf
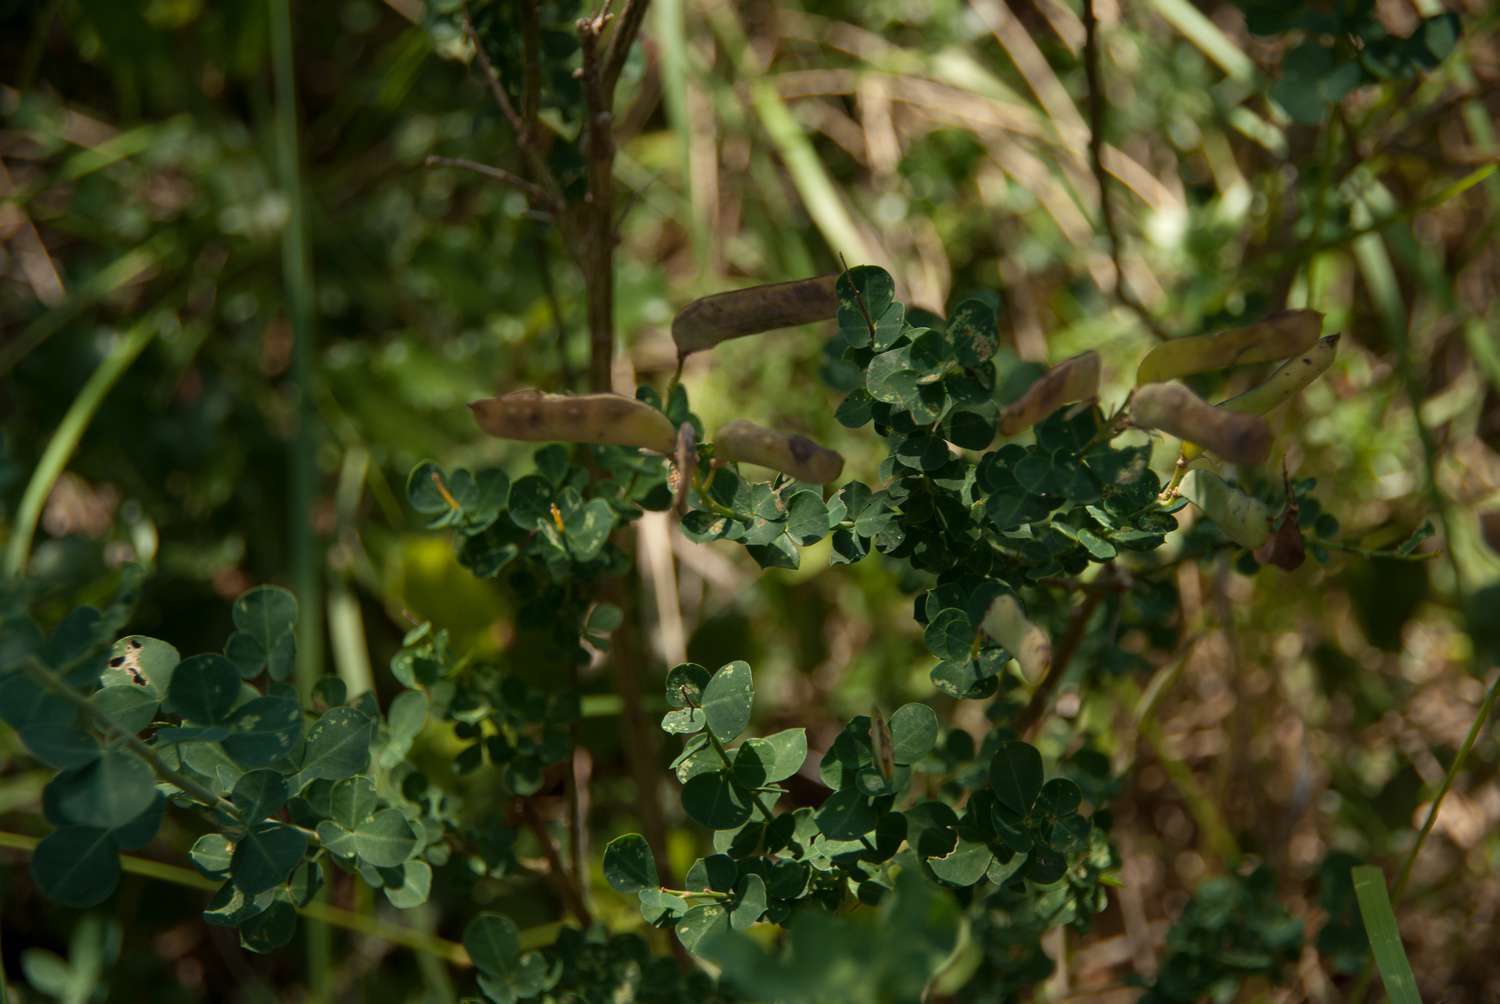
<point>117,661</point>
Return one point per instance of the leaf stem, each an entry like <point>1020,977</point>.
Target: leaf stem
<point>729,766</point>
<point>105,724</point>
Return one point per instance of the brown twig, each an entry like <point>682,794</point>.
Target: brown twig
<point>631,19</point>
<point>1041,698</point>
<point>597,245</point>
<point>536,193</point>
<point>531,45</point>
<point>568,886</point>
<point>1096,109</point>
<point>524,138</point>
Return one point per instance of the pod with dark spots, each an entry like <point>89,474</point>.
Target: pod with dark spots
<point>1075,379</point>
<point>795,455</point>
<point>535,417</point>
<point>1027,643</point>
<point>685,465</point>
<point>710,320</point>
<point>1242,518</point>
<point>1172,408</point>
<point>1275,337</point>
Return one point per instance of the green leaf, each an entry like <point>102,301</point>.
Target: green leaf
<point>137,661</point>
<point>270,929</point>
<point>415,887</point>
<point>974,333</point>
<point>750,902</point>
<point>587,528</point>
<point>230,907</point>
<point>352,801</point>
<point>1045,866</point>
<point>1059,797</point>
<point>130,707</point>
<point>422,491</point>
<point>493,942</point>
<point>204,689</point>
<point>338,745</point>
<point>1016,775</point>
<point>266,613</point>
<point>685,685</point>
<point>385,840</point>
<point>211,855</point>
<point>914,731</point>
<point>263,731</point>
<point>714,800</point>
<point>807,518</point>
<point>259,794</point>
<point>964,865</point>
<point>683,721</point>
<point>63,745</point>
<point>865,293</point>
<point>759,762</point>
<point>628,864</point>
<point>110,792</point>
<point>77,866</point>
<point>845,815</point>
<point>727,700</point>
<point>700,923</point>
<point>1385,936</point>
<point>949,635</point>
<point>265,856</point>
<point>141,830</point>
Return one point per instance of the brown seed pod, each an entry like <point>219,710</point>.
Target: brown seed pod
<point>1172,408</point>
<point>710,320</point>
<point>798,456</point>
<point>1027,643</point>
<point>534,417</point>
<point>1075,379</point>
<point>1275,337</point>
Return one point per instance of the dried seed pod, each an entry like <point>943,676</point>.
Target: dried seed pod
<point>710,320</point>
<point>685,465</point>
<point>1075,379</point>
<point>798,456</point>
<point>1281,386</point>
<point>1489,529</point>
<point>1288,379</point>
<point>535,417</point>
<point>1028,644</point>
<point>1243,518</point>
<point>1275,337</point>
<point>1172,408</point>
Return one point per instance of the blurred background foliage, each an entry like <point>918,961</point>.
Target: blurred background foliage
<point>1314,713</point>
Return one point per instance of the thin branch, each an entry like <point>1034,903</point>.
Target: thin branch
<point>1097,108</point>
<point>596,252</point>
<point>531,45</point>
<point>536,193</point>
<point>497,90</point>
<point>568,886</point>
<point>105,724</point>
<point>1041,698</point>
<point>631,19</point>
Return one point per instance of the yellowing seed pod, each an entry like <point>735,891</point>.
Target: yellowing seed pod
<point>1243,518</point>
<point>1172,408</point>
<point>1028,644</point>
<point>1275,337</point>
<point>535,417</point>
<point>1281,386</point>
<point>1075,379</point>
<point>710,320</point>
<point>798,456</point>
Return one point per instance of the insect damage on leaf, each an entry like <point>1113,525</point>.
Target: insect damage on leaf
<point>533,416</point>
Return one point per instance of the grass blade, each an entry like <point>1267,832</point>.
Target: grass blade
<point>1385,937</point>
